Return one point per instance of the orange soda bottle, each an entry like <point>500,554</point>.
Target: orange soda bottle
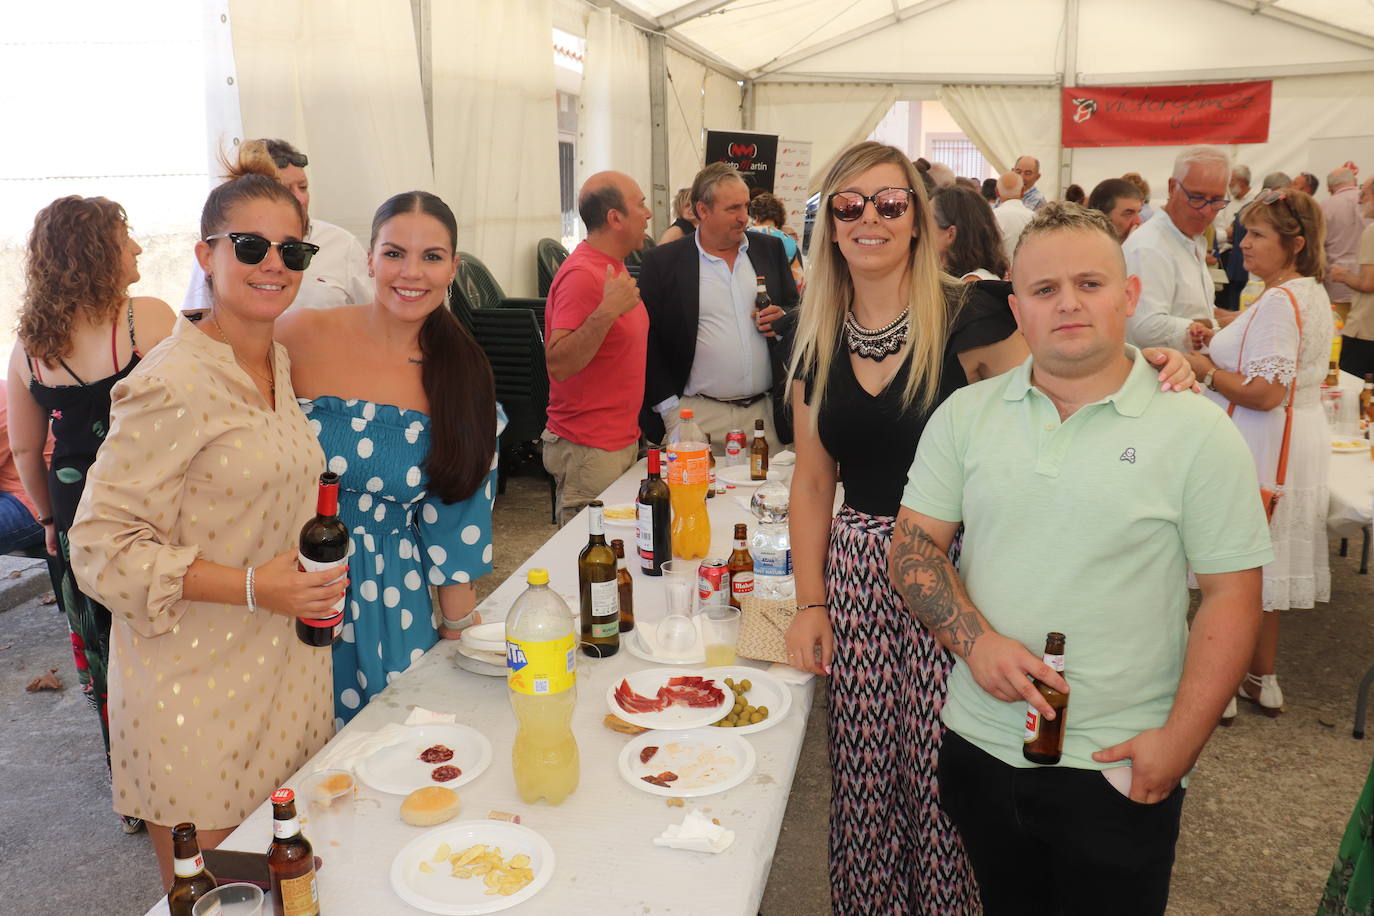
<point>689,460</point>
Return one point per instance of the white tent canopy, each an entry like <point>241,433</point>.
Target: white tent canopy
<point>660,71</point>
<point>459,96</point>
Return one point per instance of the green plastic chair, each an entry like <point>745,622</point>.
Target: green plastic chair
<point>549,255</point>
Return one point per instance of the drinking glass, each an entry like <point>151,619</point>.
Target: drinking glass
<point>231,900</point>
<point>677,634</point>
<point>720,632</point>
<point>327,798</point>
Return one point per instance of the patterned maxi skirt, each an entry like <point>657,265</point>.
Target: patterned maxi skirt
<point>892,849</point>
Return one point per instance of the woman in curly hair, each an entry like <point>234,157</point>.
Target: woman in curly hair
<point>79,334</point>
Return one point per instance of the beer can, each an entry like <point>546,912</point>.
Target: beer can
<point>734,447</point>
<point>712,580</point>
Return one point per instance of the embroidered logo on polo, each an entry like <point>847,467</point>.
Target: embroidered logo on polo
<point>1128,455</point>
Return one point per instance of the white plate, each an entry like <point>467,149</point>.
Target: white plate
<point>706,761</point>
<point>485,637</point>
<point>491,664</point>
<point>635,646</point>
<point>765,690</point>
<point>440,892</point>
<point>738,475</point>
<point>399,770</point>
<point>646,683</point>
<point>1357,447</point>
<point>619,522</point>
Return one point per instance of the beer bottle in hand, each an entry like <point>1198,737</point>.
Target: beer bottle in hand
<point>192,880</point>
<point>758,454</point>
<point>597,589</point>
<point>1044,738</point>
<point>654,507</point>
<point>626,587</point>
<point>324,545</point>
<point>761,300</point>
<point>291,861</point>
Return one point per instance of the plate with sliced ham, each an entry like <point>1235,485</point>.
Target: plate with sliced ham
<point>688,763</point>
<point>669,698</point>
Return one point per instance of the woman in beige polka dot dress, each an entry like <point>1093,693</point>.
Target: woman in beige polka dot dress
<point>187,531</point>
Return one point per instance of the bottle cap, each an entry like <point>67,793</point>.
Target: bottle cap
<point>687,413</point>
<point>282,796</point>
<point>537,577</point>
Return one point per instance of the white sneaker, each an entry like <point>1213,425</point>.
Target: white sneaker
<point>1229,716</point>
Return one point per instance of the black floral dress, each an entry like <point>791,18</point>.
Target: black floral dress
<point>79,416</point>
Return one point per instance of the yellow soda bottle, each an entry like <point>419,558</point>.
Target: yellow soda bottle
<point>541,673</point>
<point>689,467</point>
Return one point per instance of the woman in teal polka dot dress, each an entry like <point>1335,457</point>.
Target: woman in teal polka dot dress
<point>402,400</point>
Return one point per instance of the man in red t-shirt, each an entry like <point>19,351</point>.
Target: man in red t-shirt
<point>597,335</point>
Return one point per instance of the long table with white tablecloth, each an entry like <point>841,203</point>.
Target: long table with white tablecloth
<point>602,834</point>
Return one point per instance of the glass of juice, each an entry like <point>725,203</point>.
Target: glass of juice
<point>720,633</point>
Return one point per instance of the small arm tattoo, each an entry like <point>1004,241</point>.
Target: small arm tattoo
<point>927,580</point>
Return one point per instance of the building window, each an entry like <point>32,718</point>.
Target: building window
<point>960,154</point>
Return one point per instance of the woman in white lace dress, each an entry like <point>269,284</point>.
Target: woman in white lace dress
<point>1252,362</point>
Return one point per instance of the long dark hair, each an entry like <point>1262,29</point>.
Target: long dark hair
<point>978,243</point>
<point>456,376</point>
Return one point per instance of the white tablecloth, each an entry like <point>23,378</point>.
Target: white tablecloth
<point>602,835</point>
<point>1351,478</point>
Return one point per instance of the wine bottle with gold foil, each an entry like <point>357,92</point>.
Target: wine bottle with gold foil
<point>597,589</point>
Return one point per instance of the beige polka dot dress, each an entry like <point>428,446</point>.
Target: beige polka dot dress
<point>211,707</point>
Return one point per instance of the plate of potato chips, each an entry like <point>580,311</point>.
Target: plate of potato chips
<point>472,867</point>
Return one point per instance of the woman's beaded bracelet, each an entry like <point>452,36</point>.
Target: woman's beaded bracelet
<point>807,607</point>
<point>248,591</point>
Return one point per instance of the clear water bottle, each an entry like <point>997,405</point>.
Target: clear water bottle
<point>771,545</point>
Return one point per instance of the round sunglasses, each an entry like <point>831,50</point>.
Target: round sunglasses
<point>251,248</point>
<point>889,203</point>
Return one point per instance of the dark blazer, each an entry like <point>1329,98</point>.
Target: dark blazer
<point>669,285</point>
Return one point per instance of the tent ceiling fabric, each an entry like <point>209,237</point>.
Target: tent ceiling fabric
<point>782,40</point>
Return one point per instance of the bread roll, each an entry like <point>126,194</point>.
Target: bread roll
<point>430,806</point>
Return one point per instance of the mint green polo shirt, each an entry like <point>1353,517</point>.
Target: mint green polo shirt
<point>1087,527</point>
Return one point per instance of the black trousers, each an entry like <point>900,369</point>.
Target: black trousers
<point>1057,840</point>
<point>1357,356</point>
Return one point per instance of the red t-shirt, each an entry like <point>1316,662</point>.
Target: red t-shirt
<point>599,406</point>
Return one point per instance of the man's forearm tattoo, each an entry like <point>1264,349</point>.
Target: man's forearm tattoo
<point>927,580</point>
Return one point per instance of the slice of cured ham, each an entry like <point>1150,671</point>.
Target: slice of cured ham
<point>689,690</point>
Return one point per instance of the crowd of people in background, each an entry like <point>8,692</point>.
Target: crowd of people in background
<point>1002,341</point>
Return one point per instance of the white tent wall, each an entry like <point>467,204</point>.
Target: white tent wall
<point>495,131</point>
<point>615,128</point>
<point>698,99</point>
<point>1305,110</point>
<point>338,79</point>
<point>1007,122</point>
<point>831,115</point>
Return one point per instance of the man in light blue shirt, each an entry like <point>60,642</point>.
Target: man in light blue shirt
<point>1087,494</point>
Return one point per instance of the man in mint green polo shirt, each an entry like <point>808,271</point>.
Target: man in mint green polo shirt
<point>1086,494</point>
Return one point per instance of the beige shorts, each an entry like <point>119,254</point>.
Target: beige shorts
<point>581,472</point>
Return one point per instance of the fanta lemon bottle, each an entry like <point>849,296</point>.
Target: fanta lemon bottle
<point>541,672</point>
<point>688,477</point>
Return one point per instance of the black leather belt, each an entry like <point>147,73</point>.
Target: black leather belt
<point>736,402</point>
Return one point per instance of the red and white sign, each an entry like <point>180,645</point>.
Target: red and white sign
<point>1166,115</point>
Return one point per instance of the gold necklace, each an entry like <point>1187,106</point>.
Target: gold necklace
<point>271,382</point>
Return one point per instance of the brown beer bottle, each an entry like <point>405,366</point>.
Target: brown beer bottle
<point>627,587</point>
<point>740,566</point>
<point>758,454</point>
<point>1333,374</point>
<point>291,861</point>
<point>1044,738</point>
<point>1367,398</point>
<point>711,472</point>
<point>192,880</point>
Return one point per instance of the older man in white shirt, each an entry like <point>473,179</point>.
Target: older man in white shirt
<point>337,275</point>
<point>1169,255</point>
<point>1011,212</point>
